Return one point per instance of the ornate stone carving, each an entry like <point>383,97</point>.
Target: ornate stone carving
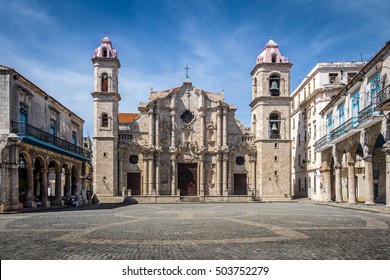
<point>190,151</point>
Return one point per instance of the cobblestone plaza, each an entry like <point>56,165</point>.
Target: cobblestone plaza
<point>196,231</point>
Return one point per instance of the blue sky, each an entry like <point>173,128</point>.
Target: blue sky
<point>51,43</point>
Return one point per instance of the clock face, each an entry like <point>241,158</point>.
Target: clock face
<point>187,117</point>
<point>104,76</point>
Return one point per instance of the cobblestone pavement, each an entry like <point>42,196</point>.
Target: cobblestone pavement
<point>196,231</point>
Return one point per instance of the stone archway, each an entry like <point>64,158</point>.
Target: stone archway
<point>55,182</point>
<point>40,182</point>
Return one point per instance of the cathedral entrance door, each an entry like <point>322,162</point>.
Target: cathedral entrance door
<point>134,183</point>
<point>240,184</point>
<point>187,174</point>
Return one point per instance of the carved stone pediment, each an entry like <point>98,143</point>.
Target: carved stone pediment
<point>132,147</point>
<point>189,151</point>
<point>243,148</point>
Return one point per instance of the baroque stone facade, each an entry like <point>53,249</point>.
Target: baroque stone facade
<point>185,144</point>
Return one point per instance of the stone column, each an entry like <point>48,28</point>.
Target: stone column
<point>57,190</point>
<point>218,128</point>
<point>151,132</point>
<point>145,177</point>
<point>44,198</point>
<point>83,190</point>
<point>14,183</point>
<point>150,179</point>
<point>67,185</point>
<point>224,175</point>
<point>224,133</point>
<point>339,196</point>
<point>173,141</point>
<point>157,128</point>
<point>387,152</point>
<point>201,176</point>
<point>157,175</point>
<point>369,180</point>
<point>174,175</point>
<point>252,177</point>
<point>218,174</point>
<point>202,129</point>
<point>351,182</point>
<point>57,200</point>
<point>30,183</point>
<point>79,180</point>
<point>327,184</point>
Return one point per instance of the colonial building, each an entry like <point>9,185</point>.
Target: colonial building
<point>354,139</point>
<point>42,159</point>
<point>185,143</point>
<point>315,91</point>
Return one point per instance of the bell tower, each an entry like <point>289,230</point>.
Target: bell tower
<point>271,123</point>
<point>106,102</point>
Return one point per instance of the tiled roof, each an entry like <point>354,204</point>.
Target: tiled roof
<point>127,117</point>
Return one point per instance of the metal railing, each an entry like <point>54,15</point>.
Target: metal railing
<point>27,129</point>
<point>382,96</point>
<point>322,142</point>
<point>343,128</point>
<point>367,113</point>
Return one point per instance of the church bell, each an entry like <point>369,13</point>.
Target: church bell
<point>274,127</point>
<point>274,86</point>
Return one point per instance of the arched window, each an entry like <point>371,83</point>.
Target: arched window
<point>104,120</point>
<point>274,85</point>
<point>104,52</point>
<point>274,57</point>
<point>104,82</point>
<point>274,126</point>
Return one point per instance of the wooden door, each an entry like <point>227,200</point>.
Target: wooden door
<point>134,183</point>
<point>187,175</point>
<point>240,184</point>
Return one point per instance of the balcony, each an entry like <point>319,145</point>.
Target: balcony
<point>323,143</point>
<point>368,116</point>
<point>344,130</point>
<point>38,137</point>
<point>382,99</point>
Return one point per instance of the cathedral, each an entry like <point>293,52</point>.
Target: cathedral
<point>185,143</point>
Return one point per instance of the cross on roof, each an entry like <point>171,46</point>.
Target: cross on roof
<point>187,68</point>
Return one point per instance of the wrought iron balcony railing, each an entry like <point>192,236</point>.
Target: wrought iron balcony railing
<point>367,113</point>
<point>382,98</point>
<point>322,142</point>
<point>343,128</point>
<point>27,129</point>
